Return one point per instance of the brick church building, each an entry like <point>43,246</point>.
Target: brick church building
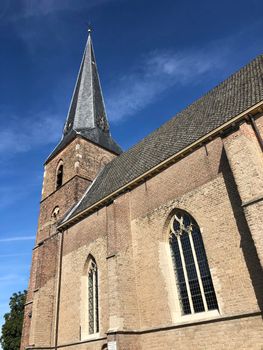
<point>159,247</point>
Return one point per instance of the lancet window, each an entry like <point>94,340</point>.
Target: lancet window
<point>194,282</point>
<point>93,307</point>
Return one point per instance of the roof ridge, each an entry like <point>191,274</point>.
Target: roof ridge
<point>213,89</point>
<point>178,114</point>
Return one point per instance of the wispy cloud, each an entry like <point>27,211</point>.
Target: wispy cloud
<point>157,72</point>
<point>32,8</point>
<point>33,131</point>
<point>17,239</point>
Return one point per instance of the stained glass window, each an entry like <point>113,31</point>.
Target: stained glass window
<point>93,307</point>
<point>193,278</point>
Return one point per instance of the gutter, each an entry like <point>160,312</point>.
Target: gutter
<point>164,164</point>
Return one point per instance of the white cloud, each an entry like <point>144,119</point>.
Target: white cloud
<point>156,73</point>
<point>17,239</point>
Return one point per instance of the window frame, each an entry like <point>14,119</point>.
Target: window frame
<point>85,331</point>
<point>174,295</point>
<point>92,295</point>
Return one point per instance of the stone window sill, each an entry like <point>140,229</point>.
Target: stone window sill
<point>200,316</point>
<point>90,336</point>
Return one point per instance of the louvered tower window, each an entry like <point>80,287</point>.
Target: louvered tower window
<point>93,307</point>
<point>194,283</point>
<point>59,176</point>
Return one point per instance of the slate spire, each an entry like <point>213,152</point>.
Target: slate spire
<point>87,115</point>
<point>87,109</point>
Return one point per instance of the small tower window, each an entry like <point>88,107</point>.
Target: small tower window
<point>194,282</point>
<point>55,213</point>
<point>59,176</point>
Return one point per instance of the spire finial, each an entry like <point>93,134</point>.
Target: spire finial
<point>89,28</point>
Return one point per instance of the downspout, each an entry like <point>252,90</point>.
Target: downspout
<point>255,128</point>
<point>59,288</point>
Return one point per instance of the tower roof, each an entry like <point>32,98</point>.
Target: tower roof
<point>87,115</point>
<point>220,107</point>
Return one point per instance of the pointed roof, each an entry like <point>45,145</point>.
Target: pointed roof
<point>218,108</point>
<point>87,115</point>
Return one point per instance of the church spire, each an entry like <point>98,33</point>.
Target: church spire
<point>87,115</point>
<point>87,109</point>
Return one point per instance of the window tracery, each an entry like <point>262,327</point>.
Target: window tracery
<point>194,282</point>
<point>93,307</point>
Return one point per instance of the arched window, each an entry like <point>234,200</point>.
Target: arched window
<point>55,213</point>
<point>59,176</point>
<point>93,307</point>
<point>194,283</point>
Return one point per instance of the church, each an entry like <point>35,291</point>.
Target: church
<point>159,247</point>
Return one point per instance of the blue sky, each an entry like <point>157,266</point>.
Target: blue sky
<point>154,58</point>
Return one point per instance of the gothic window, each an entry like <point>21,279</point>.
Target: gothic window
<point>59,176</point>
<point>93,307</point>
<point>194,283</point>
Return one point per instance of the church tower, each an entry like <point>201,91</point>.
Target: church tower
<point>161,247</point>
<point>85,147</point>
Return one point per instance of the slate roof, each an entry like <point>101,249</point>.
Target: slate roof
<point>87,115</point>
<point>94,135</point>
<point>239,92</point>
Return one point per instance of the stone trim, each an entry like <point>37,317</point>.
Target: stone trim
<point>253,201</point>
<point>65,183</point>
<point>152,330</point>
<point>28,303</point>
<point>110,256</point>
<point>39,244</point>
<point>65,345</point>
<point>184,325</point>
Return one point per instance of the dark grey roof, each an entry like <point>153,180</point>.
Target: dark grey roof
<point>94,135</point>
<point>87,114</point>
<point>239,92</point>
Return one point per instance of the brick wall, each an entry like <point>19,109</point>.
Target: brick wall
<point>81,162</point>
<point>129,240</point>
<point>80,158</point>
<point>246,162</point>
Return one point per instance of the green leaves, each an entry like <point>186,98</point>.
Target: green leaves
<point>12,328</point>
